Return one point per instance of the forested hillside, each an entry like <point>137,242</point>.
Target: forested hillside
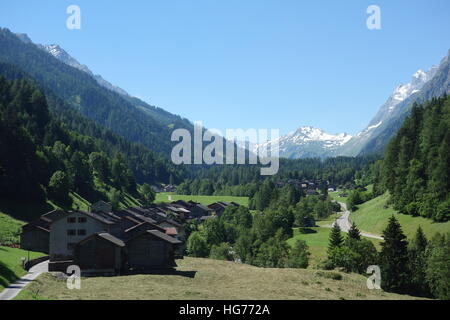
<point>244,180</point>
<point>416,166</point>
<point>146,165</point>
<point>80,91</point>
<point>43,159</point>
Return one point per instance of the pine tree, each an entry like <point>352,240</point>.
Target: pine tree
<point>354,233</point>
<point>417,263</point>
<point>335,238</point>
<point>394,258</point>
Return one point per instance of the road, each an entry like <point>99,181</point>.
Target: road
<point>345,224</point>
<point>13,289</point>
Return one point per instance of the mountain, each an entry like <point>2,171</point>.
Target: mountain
<point>308,142</point>
<point>311,142</point>
<point>423,87</point>
<point>58,73</point>
<point>60,54</point>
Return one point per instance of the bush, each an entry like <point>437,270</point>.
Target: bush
<point>298,255</point>
<point>197,245</point>
<point>221,252</point>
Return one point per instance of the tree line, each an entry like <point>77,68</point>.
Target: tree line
<point>419,267</point>
<point>43,159</point>
<point>259,237</point>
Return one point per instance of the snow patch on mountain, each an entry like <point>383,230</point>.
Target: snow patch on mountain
<point>60,54</point>
<point>404,91</point>
<point>306,141</point>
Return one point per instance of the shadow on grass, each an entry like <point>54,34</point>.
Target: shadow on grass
<point>306,230</point>
<point>187,274</point>
<point>24,211</point>
<point>7,276</point>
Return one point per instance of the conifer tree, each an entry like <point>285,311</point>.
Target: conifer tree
<point>354,232</point>
<point>335,238</point>
<point>417,263</point>
<point>394,258</point>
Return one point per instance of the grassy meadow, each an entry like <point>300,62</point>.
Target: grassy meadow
<point>317,240</point>
<point>11,264</point>
<point>372,216</point>
<point>207,279</point>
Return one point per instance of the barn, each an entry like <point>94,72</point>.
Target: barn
<point>151,250</point>
<point>100,253</point>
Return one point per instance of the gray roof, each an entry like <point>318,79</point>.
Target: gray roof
<point>171,222</point>
<point>93,215</point>
<point>203,207</point>
<point>53,215</point>
<point>112,239</point>
<point>164,236</point>
<point>106,236</point>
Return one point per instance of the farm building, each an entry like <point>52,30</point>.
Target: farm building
<point>35,237</point>
<point>100,252</point>
<point>103,241</point>
<point>151,250</point>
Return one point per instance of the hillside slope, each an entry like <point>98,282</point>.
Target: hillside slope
<point>10,264</point>
<point>372,216</point>
<point>206,279</point>
<point>108,108</point>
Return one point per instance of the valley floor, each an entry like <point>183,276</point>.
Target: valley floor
<point>207,279</point>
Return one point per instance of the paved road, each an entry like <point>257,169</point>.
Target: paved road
<point>13,289</point>
<point>345,224</point>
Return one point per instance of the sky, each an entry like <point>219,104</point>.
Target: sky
<point>272,64</point>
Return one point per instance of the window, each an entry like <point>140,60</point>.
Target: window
<point>71,220</point>
<point>70,246</point>
<point>71,232</point>
<point>81,232</point>
<point>82,219</point>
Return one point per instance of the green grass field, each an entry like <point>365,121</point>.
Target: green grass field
<point>207,279</point>
<point>317,242</point>
<point>372,216</point>
<point>11,264</point>
<point>335,196</point>
<point>206,200</point>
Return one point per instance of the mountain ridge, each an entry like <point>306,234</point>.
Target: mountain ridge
<point>307,141</point>
<point>423,86</point>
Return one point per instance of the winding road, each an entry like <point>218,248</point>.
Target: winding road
<point>14,288</point>
<point>345,224</point>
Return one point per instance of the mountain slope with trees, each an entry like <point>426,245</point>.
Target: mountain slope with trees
<point>43,159</point>
<point>82,92</point>
<point>416,166</point>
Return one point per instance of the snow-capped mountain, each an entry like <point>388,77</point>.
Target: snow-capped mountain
<point>59,53</point>
<point>307,142</point>
<point>423,86</point>
<point>312,142</point>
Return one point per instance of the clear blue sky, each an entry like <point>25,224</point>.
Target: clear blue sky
<point>248,64</point>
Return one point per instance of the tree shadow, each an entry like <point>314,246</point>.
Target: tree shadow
<point>7,275</point>
<point>164,272</point>
<point>306,230</point>
<point>25,211</point>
